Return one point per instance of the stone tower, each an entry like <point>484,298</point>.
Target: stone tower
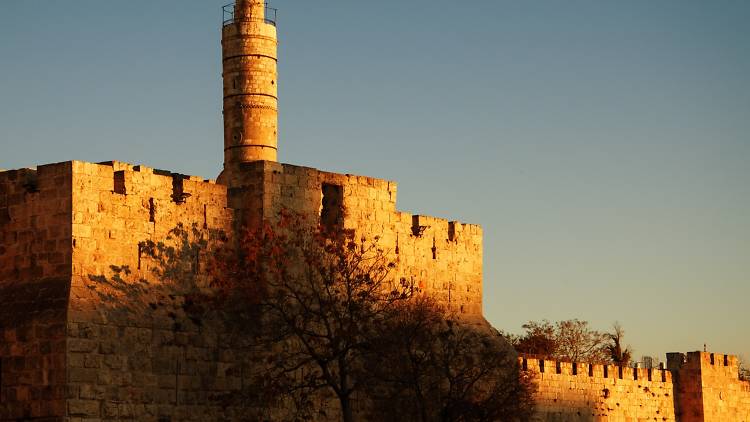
<point>249,54</point>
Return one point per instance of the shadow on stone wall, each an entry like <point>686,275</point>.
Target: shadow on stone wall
<point>32,349</point>
<point>164,290</point>
<point>151,343</point>
<point>146,343</point>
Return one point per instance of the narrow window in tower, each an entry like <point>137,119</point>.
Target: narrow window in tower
<point>332,207</point>
<point>119,187</point>
<point>151,210</point>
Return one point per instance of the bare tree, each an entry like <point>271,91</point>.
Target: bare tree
<point>317,298</point>
<point>316,318</point>
<point>579,343</point>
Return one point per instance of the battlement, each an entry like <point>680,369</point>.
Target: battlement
<point>586,391</point>
<point>695,386</point>
<point>593,370</point>
<point>709,387</point>
<point>704,360</point>
<point>438,256</point>
<point>112,206</point>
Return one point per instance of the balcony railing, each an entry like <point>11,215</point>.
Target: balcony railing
<point>228,15</point>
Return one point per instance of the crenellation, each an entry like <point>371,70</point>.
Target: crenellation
<point>586,393</point>
<point>692,388</point>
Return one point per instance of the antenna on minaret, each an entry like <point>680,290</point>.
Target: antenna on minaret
<point>249,57</point>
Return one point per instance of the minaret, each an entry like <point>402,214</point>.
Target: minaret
<point>249,53</point>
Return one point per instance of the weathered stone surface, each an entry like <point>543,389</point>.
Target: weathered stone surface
<point>584,392</point>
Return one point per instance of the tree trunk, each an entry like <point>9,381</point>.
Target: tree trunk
<point>346,409</point>
<point>345,396</point>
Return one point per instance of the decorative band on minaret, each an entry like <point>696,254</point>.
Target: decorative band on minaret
<point>249,53</point>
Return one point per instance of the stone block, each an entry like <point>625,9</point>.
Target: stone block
<point>85,408</point>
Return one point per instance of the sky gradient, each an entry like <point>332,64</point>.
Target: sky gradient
<point>604,146</point>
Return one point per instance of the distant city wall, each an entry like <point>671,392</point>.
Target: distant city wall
<point>695,386</point>
<point>572,392</point>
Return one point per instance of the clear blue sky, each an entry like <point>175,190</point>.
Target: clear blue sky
<point>603,145</point>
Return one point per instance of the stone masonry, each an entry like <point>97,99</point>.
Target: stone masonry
<point>572,391</point>
<point>78,346</point>
<point>696,386</point>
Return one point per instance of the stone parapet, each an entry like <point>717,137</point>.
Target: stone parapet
<point>574,391</point>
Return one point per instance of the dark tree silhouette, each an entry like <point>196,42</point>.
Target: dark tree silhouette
<point>617,354</point>
<point>433,367</point>
<point>540,339</point>
<point>571,340</point>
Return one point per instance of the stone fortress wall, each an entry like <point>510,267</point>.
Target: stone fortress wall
<point>35,270</point>
<point>574,391</point>
<point>440,257</point>
<point>79,344</point>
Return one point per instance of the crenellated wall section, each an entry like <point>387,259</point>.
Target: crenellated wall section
<point>440,257</point>
<point>573,392</point>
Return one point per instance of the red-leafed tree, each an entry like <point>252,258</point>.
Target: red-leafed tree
<point>313,301</point>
